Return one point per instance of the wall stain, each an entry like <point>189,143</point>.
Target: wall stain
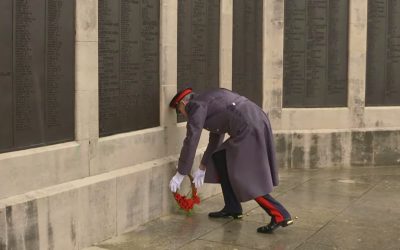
<point>50,231</point>
<point>31,234</point>
<point>11,234</point>
<point>386,149</point>
<point>298,153</point>
<point>313,154</point>
<point>29,238</point>
<point>73,231</point>
<point>361,148</point>
<point>336,148</point>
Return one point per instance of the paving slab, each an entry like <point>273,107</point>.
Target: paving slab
<point>346,208</point>
<point>349,236</point>
<point>306,218</point>
<point>211,245</point>
<point>313,246</point>
<point>243,233</point>
<point>169,232</point>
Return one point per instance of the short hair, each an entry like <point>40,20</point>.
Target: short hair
<point>187,97</point>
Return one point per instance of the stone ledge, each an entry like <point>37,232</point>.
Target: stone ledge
<point>36,168</point>
<point>79,213</point>
<point>346,147</point>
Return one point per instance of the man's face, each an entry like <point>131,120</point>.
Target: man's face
<point>181,109</point>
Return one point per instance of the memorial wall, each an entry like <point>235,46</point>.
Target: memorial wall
<point>247,54</point>
<point>129,85</point>
<point>318,67</point>
<point>383,53</point>
<point>37,73</point>
<point>315,60</point>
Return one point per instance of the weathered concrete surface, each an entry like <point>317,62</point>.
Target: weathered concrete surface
<point>329,148</point>
<point>3,227</point>
<point>79,213</point>
<point>115,152</point>
<point>306,138</point>
<point>351,208</point>
<point>32,169</point>
<point>82,212</point>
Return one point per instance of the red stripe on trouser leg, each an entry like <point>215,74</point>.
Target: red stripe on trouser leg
<point>275,212</point>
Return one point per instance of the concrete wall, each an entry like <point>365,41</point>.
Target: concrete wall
<point>71,195</point>
<point>79,213</point>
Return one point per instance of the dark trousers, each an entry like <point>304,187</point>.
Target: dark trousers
<point>271,206</point>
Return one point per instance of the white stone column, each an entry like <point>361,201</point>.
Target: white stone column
<point>168,59</point>
<point>87,104</point>
<point>273,12</point>
<point>226,33</point>
<point>87,83</point>
<point>168,72</point>
<point>358,20</point>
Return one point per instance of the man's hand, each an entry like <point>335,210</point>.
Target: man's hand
<point>198,178</point>
<point>176,181</point>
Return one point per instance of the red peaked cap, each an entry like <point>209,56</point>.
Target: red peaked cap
<point>179,96</point>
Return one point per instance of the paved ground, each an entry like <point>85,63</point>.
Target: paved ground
<point>356,208</point>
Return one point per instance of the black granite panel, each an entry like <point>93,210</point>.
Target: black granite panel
<point>29,72</point>
<point>6,69</point>
<point>60,74</point>
<point>37,73</point>
<point>247,78</point>
<point>213,48</point>
<point>185,44</point>
<point>129,65</point>
<point>294,52</point>
<point>109,64</point>
<point>315,53</point>
<point>336,93</point>
<point>393,78</point>
<point>383,53</point>
<point>198,44</point>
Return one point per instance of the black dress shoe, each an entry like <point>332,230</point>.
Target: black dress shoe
<point>223,214</point>
<point>270,228</point>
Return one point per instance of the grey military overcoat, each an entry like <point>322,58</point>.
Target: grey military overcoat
<point>250,152</point>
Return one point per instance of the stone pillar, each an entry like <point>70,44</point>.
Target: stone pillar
<point>273,58</point>
<point>168,59</point>
<point>168,71</point>
<point>226,29</point>
<point>358,20</point>
<point>87,96</point>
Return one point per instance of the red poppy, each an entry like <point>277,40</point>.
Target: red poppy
<point>185,203</point>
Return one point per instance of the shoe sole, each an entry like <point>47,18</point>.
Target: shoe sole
<point>282,224</point>
<point>235,217</point>
<point>287,223</point>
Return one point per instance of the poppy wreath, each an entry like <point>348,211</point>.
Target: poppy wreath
<point>184,202</point>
